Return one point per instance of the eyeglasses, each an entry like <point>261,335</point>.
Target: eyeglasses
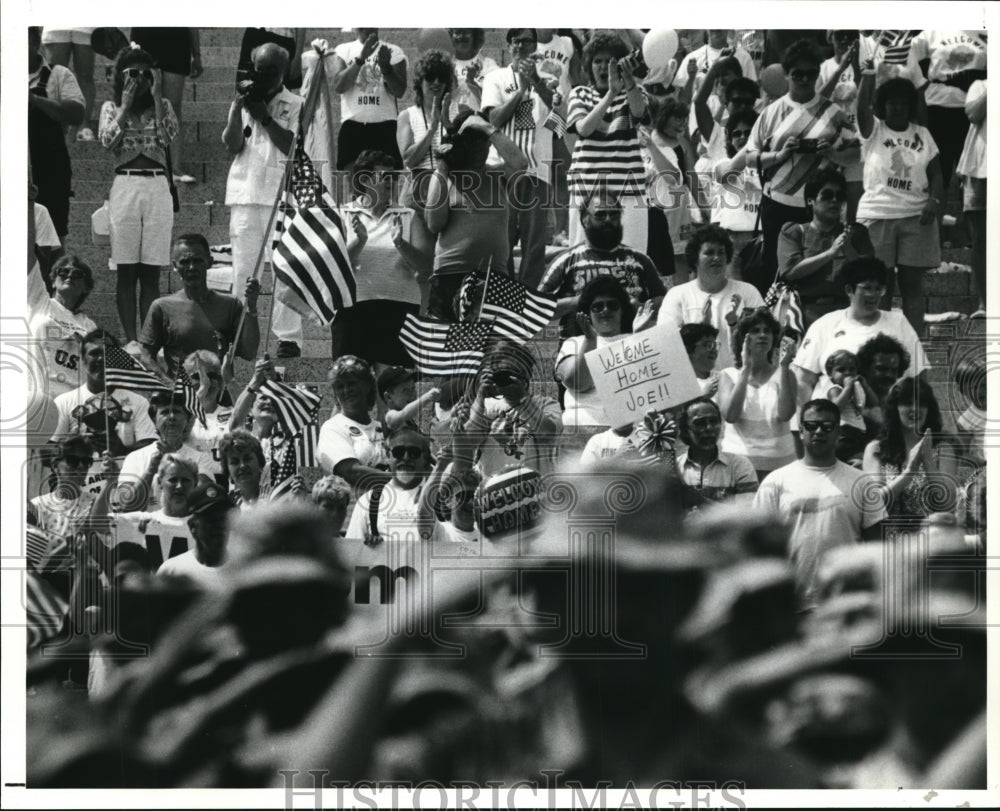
<point>828,196</point>
<point>610,306</point>
<point>504,379</point>
<point>807,75</point>
<point>411,452</point>
<point>77,461</point>
<point>740,133</point>
<point>817,426</point>
<point>138,73</point>
<point>71,273</point>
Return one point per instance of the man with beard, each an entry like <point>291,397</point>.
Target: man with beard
<point>117,422</point>
<point>173,420</point>
<point>602,254</point>
<point>396,510</point>
<point>823,500</point>
<point>196,317</point>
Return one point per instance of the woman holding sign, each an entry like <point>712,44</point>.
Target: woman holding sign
<point>757,395</point>
<point>604,313</point>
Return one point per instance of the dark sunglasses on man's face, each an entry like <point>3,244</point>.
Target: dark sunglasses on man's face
<point>71,273</point>
<point>411,452</point>
<point>607,214</point>
<point>77,461</point>
<point>610,306</point>
<point>817,426</point>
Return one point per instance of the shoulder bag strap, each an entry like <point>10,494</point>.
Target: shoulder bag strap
<point>373,512</point>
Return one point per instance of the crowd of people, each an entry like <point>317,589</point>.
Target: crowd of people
<point>766,199</point>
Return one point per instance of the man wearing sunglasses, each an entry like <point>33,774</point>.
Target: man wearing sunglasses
<point>395,510</point>
<point>823,500</point>
<point>714,474</point>
<point>65,509</point>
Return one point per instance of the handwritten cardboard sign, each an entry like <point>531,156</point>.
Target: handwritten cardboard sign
<point>648,370</point>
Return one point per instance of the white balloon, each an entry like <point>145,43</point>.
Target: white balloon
<point>658,48</point>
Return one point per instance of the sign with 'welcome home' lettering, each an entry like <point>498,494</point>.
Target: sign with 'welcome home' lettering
<point>648,370</point>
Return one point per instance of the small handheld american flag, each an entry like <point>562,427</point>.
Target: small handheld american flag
<point>519,313</point>
<point>440,348</point>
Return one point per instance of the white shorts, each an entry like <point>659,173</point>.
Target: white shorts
<point>65,36</point>
<point>142,218</point>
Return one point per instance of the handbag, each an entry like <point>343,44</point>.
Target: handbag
<point>100,225</point>
<point>108,42</point>
<point>170,181</point>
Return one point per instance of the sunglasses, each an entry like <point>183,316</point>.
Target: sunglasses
<point>411,452</point>
<point>77,461</point>
<point>524,41</point>
<point>504,379</point>
<point>71,273</point>
<point>611,306</point>
<point>743,101</point>
<point>740,133</point>
<point>828,196</point>
<point>138,73</point>
<point>799,75</point>
<point>817,426</point>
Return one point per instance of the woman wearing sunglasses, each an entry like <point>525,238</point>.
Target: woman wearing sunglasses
<point>904,188</point>
<point>604,313</point>
<point>811,255</point>
<point>56,323</point>
<point>137,128</point>
<point>794,136</point>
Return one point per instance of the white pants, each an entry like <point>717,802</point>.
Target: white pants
<point>247,230</point>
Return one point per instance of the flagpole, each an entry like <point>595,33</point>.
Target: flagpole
<point>107,428</point>
<point>305,120</point>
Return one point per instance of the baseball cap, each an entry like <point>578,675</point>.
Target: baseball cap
<point>393,376</point>
<point>207,497</point>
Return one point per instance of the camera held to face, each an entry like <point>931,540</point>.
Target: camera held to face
<point>250,86</point>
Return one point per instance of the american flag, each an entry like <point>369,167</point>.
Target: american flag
<point>45,609</point>
<point>557,123</point>
<point>296,407</point>
<point>896,45</point>
<point>786,306</point>
<point>295,454</point>
<point>519,312</point>
<point>440,348</point>
<point>310,258</point>
<point>123,371</point>
<point>521,129</point>
<point>185,388</point>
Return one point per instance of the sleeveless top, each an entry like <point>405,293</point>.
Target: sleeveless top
<point>418,124</point>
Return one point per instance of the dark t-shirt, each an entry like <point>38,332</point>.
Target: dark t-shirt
<point>801,241</point>
<point>180,326</point>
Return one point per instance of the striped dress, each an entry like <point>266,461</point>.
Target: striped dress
<point>610,155</point>
<point>783,119</point>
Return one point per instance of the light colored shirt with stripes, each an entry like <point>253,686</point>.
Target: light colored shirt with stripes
<point>817,119</point>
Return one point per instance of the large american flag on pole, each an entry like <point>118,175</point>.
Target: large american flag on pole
<point>440,348</point>
<point>519,313</point>
<point>310,258</point>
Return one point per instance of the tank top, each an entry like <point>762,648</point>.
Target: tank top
<point>418,125</point>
